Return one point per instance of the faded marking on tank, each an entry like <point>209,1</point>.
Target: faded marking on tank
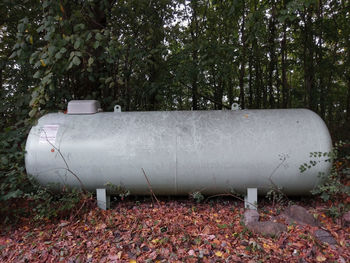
<point>48,133</point>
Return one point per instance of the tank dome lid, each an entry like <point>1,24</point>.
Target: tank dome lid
<point>83,107</point>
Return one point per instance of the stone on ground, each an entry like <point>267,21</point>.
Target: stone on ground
<point>325,236</point>
<point>300,215</point>
<point>250,216</point>
<point>346,219</point>
<point>267,228</point>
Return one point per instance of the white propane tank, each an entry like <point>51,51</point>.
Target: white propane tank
<point>180,151</point>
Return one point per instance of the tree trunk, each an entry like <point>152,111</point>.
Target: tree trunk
<point>309,73</point>
<point>272,29</point>
<point>242,66</point>
<point>285,91</point>
<point>195,81</point>
<point>250,82</point>
<point>319,63</point>
<point>194,35</point>
<point>348,104</point>
<point>258,83</point>
<point>230,91</point>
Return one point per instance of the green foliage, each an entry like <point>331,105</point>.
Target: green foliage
<point>316,158</point>
<point>48,205</point>
<point>336,211</point>
<point>13,180</point>
<point>197,196</point>
<point>334,186</point>
<point>276,196</point>
<point>119,190</point>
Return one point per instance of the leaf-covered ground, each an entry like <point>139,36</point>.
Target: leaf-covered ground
<point>176,231</point>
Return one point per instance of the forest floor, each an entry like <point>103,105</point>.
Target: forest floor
<point>177,230</point>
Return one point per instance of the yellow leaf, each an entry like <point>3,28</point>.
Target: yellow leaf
<point>154,241</point>
<point>266,246</point>
<point>132,261</point>
<point>321,258</point>
<point>31,40</point>
<point>61,8</point>
<point>218,253</point>
<point>43,63</point>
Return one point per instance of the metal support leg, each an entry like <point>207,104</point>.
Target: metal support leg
<point>251,199</point>
<point>103,200</point>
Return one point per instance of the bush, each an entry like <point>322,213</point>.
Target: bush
<point>336,185</point>
<point>49,205</point>
<point>197,196</point>
<point>13,180</point>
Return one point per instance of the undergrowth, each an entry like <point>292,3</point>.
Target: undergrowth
<point>335,187</point>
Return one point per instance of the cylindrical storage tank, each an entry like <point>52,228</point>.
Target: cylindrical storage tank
<point>180,151</point>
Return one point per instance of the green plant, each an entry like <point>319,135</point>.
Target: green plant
<point>118,190</point>
<point>334,185</point>
<point>197,196</point>
<point>276,196</point>
<point>13,180</point>
<point>336,211</point>
<point>49,205</point>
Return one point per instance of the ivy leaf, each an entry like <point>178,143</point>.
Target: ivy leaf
<point>90,61</point>
<point>76,61</point>
<point>96,44</point>
<point>13,55</point>
<point>37,74</point>
<point>33,112</point>
<point>98,36</point>
<point>58,55</point>
<point>77,43</point>
<point>88,37</point>
<point>12,194</point>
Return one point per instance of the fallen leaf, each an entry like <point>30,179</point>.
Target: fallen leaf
<point>218,253</point>
<point>321,258</point>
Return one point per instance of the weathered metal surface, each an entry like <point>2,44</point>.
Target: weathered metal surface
<point>180,151</point>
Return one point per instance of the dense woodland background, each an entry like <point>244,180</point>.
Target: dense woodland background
<point>176,55</point>
<point>169,55</point>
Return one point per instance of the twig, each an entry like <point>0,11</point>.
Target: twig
<point>149,186</point>
<point>83,204</point>
<point>275,187</point>
<point>65,162</point>
<point>235,196</point>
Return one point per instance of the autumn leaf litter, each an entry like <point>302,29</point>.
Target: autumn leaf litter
<point>175,231</point>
